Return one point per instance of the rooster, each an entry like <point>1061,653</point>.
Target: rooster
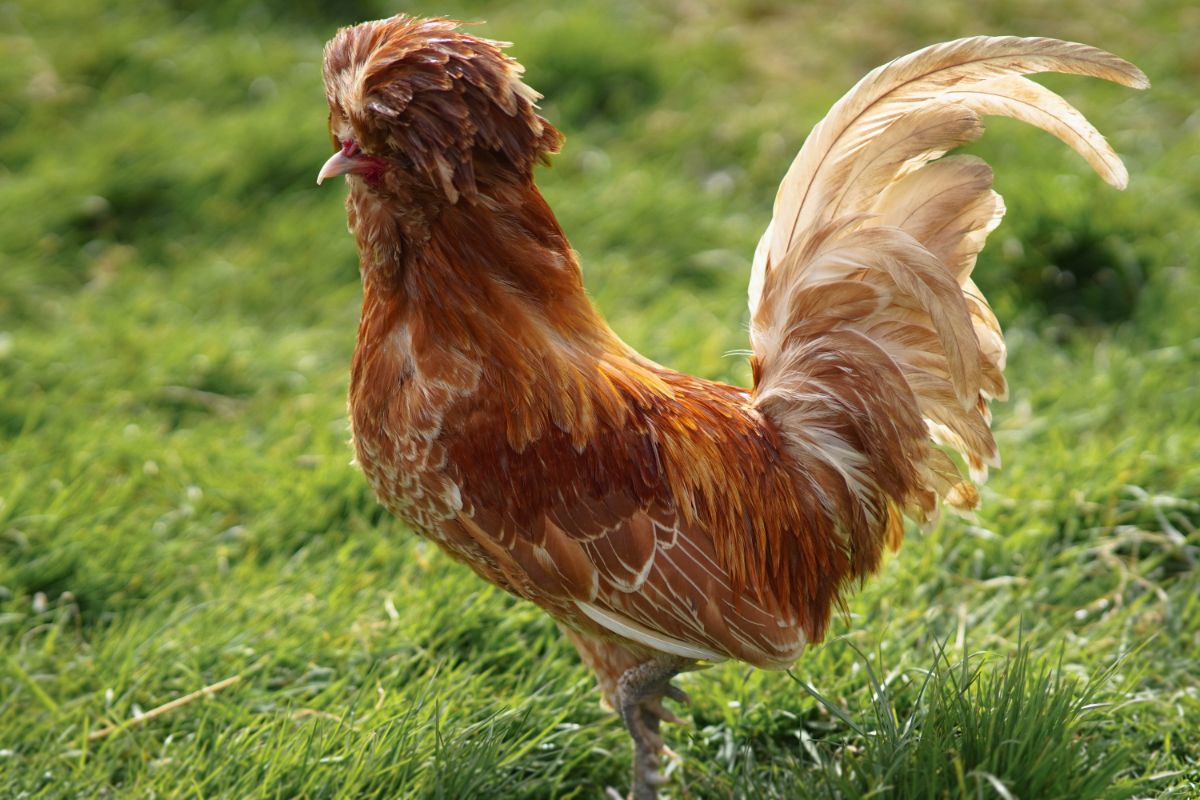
<point>667,522</point>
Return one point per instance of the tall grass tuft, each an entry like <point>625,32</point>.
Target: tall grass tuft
<point>986,726</point>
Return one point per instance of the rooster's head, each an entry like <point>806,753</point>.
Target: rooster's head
<point>419,108</point>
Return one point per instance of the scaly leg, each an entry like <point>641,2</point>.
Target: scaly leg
<point>640,693</point>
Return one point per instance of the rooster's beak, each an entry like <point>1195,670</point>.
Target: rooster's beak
<point>338,164</point>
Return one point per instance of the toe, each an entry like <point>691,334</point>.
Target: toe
<point>678,695</point>
<point>656,708</point>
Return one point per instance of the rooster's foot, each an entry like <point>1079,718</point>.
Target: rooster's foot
<point>640,694</point>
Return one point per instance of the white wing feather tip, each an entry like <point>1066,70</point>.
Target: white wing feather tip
<point>623,626</point>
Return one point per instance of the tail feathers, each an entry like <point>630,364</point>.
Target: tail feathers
<point>947,206</point>
<point>875,353</point>
<point>980,74</point>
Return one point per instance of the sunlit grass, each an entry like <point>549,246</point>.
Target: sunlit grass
<point>177,310</point>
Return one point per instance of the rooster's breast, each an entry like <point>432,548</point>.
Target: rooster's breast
<point>398,406</point>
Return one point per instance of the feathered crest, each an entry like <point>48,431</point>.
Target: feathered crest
<point>424,92</point>
<point>871,342</point>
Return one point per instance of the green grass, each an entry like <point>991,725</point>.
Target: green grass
<point>177,311</point>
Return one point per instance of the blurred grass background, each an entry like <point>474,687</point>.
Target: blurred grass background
<point>177,311</point>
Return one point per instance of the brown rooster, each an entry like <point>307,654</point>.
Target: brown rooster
<point>664,521</point>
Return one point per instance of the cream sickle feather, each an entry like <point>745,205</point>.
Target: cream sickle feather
<point>869,201</point>
<point>665,521</point>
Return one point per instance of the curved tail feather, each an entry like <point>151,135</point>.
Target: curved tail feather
<point>874,352</point>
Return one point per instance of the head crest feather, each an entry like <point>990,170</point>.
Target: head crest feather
<point>450,104</point>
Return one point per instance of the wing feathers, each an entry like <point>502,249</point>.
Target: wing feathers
<point>627,628</point>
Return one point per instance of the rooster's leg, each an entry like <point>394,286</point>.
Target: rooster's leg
<point>640,694</point>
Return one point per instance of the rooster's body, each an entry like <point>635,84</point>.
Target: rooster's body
<point>661,519</point>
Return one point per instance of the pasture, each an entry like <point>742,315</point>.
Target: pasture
<point>178,304</point>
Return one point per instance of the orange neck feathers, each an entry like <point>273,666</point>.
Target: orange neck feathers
<point>481,276</point>
<point>487,286</point>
